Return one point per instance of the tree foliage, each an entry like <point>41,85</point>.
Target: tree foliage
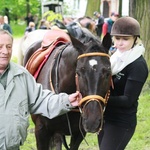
<point>18,8</point>
<point>51,16</point>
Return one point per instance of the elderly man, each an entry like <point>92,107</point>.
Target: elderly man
<point>20,95</point>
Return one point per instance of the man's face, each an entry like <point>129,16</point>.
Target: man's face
<point>5,51</point>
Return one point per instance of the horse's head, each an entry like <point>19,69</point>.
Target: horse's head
<point>93,81</point>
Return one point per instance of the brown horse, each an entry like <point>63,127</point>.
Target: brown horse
<point>90,64</point>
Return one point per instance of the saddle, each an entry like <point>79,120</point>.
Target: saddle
<point>51,39</point>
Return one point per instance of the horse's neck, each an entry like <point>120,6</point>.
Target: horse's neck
<point>63,70</point>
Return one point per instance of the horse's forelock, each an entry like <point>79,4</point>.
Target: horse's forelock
<point>94,46</point>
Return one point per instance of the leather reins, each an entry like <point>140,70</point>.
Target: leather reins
<point>56,60</point>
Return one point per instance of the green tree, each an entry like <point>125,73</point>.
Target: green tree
<point>20,8</point>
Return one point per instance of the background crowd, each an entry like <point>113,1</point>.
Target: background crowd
<point>33,22</point>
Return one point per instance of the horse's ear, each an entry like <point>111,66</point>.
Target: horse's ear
<point>107,41</point>
<point>77,44</point>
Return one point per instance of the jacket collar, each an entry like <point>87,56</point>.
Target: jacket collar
<point>14,70</point>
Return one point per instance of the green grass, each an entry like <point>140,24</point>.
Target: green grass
<point>18,29</point>
<point>140,140</point>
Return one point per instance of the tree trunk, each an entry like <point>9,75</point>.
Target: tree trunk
<point>132,4</point>
<point>120,7</point>
<point>92,5</point>
<point>28,6</point>
<point>140,10</point>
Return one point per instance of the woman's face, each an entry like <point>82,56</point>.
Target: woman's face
<point>124,43</point>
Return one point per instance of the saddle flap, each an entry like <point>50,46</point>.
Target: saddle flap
<point>48,44</point>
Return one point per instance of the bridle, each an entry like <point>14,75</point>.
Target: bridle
<point>88,98</point>
<point>85,100</point>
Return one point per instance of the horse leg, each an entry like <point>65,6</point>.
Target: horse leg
<point>42,136</point>
<point>65,142</point>
<point>58,141</point>
<point>76,140</point>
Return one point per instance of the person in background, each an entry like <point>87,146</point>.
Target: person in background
<point>129,73</point>
<point>44,24</point>
<point>7,14</point>
<point>30,28</point>
<point>108,23</point>
<point>99,23</point>
<point>29,18</point>
<point>6,19</point>
<point>4,25</point>
<point>21,95</point>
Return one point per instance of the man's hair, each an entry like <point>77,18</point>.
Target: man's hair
<point>2,31</point>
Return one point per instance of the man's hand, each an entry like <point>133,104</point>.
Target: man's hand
<point>75,98</point>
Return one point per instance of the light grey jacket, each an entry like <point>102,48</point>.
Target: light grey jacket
<point>22,97</point>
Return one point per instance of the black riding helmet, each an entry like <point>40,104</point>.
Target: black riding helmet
<point>126,26</point>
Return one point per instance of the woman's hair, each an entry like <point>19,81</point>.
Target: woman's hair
<point>138,41</point>
<point>2,31</point>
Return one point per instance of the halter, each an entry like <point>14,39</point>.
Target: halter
<point>90,98</point>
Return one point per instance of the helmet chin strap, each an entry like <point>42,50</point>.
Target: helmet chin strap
<point>134,42</point>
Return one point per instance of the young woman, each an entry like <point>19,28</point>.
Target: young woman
<point>129,70</point>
